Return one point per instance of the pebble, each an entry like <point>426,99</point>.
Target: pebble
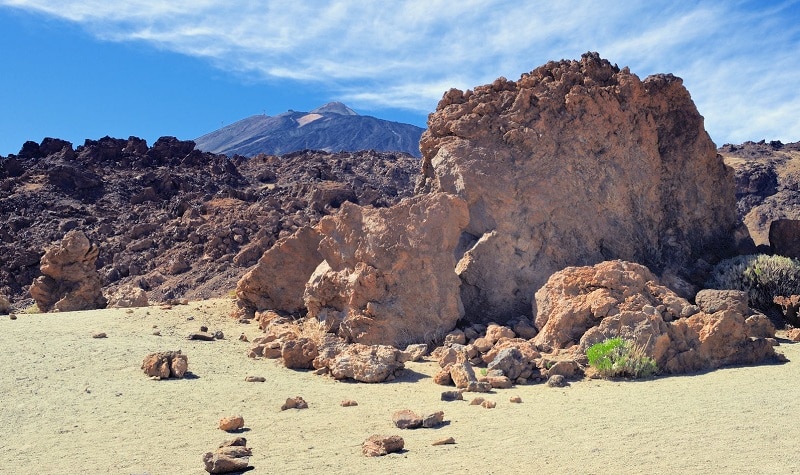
<point>445,441</point>
<point>99,335</point>
<point>255,379</point>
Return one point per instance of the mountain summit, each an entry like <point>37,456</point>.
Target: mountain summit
<point>332,127</point>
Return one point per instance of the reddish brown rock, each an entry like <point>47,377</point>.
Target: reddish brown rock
<point>278,280</point>
<point>348,403</point>
<point>432,420</point>
<point>713,301</point>
<point>515,399</point>
<point>387,276</point>
<point>462,374</point>
<point>299,353</point>
<point>445,441</point>
<point>231,423</point>
<point>549,166</point>
<point>69,279</point>
<point>296,402</point>
<point>489,404</point>
<point>406,419</point>
<point>127,296</point>
<point>232,456</point>
<point>793,334</point>
<point>165,364</point>
<point>368,364</point>
<point>759,326</point>
<point>378,445</point>
<point>443,377</point>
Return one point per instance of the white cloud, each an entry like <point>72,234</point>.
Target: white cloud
<point>737,58</point>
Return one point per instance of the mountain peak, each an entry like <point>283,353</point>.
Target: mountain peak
<point>334,108</point>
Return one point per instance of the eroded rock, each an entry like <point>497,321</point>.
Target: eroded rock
<point>165,364</point>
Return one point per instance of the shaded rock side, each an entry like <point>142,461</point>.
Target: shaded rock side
<point>70,280</point>
<point>575,163</point>
<point>279,279</point>
<point>387,275</point>
<point>581,306</point>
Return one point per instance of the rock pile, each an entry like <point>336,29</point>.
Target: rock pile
<point>575,163</point>
<point>232,456</point>
<point>70,280</point>
<point>165,364</point>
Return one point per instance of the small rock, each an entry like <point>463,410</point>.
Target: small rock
<point>348,403</point>
<point>445,441</point>
<point>99,335</point>
<point>231,456</point>
<point>479,387</point>
<point>378,445</point>
<point>157,332</point>
<point>477,401</point>
<point>557,381</point>
<point>406,419</point>
<point>231,423</point>
<point>255,379</point>
<point>243,337</point>
<point>189,319</point>
<point>165,364</point>
<point>433,420</point>
<point>296,402</point>
<point>219,335</point>
<point>443,378</point>
<point>515,399</point>
<point>202,336</point>
<point>12,316</point>
<point>489,404</point>
<point>452,396</point>
<point>203,328</point>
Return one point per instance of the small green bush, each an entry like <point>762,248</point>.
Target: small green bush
<point>616,357</point>
<point>763,277</point>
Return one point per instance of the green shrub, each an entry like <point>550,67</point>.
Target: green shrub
<point>616,357</point>
<point>763,277</point>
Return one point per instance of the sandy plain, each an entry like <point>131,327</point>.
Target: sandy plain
<point>75,404</point>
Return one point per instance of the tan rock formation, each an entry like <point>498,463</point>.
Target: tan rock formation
<point>127,296</point>
<point>278,280</point>
<point>581,306</point>
<point>368,364</point>
<point>388,277</point>
<point>70,280</point>
<point>378,445</point>
<point>575,163</point>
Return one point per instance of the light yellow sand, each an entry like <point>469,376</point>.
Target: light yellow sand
<point>72,404</point>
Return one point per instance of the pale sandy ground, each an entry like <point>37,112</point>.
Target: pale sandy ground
<point>72,404</point>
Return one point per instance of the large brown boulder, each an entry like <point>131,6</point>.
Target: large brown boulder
<point>278,280</point>
<point>575,163</point>
<point>581,306</point>
<point>387,275</point>
<point>70,280</point>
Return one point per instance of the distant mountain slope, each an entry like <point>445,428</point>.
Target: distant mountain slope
<point>333,127</point>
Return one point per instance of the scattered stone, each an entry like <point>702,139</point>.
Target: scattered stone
<point>445,441</point>
<point>201,336</point>
<point>378,445</point>
<point>231,423</point>
<point>296,402</point>
<point>489,404</point>
<point>713,301</point>
<point>255,379</point>
<point>452,396</point>
<point>127,296</point>
<point>348,403</point>
<point>443,377</point>
<point>231,456</point>
<point>433,420</point>
<point>557,381</point>
<point>157,332</point>
<point>515,399</point>
<point>462,374</point>
<point>479,387</point>
<point>477,401</point>
<point>165,364</point>
<point>218,335</point>
<point>99,335</point>
<point>204,329</point>
<point>12,316</point>
<point>243,338</point>
<point>406,419</point>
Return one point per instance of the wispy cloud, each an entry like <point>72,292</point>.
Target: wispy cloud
<point>738,59</point>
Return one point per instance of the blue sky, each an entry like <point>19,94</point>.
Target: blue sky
<point>88,68</point>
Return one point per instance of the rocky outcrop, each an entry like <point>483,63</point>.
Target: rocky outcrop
<point>168,219</point>
<point>581,306</point>
<point>575,163</point>
<point>784,237</point>
<point>767,184</point>
<point>70,280</point>
<point>387,275</point>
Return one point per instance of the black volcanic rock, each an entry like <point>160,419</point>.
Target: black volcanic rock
<point>170,219</point>
<point>333,127</point>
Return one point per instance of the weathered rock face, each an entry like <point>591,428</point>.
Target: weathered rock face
<point>127,296</point>
<point>387,275</point>
<point>784,237</point>
<point>70,281</point>
<point>575,163</point>
<point>581,306</point>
